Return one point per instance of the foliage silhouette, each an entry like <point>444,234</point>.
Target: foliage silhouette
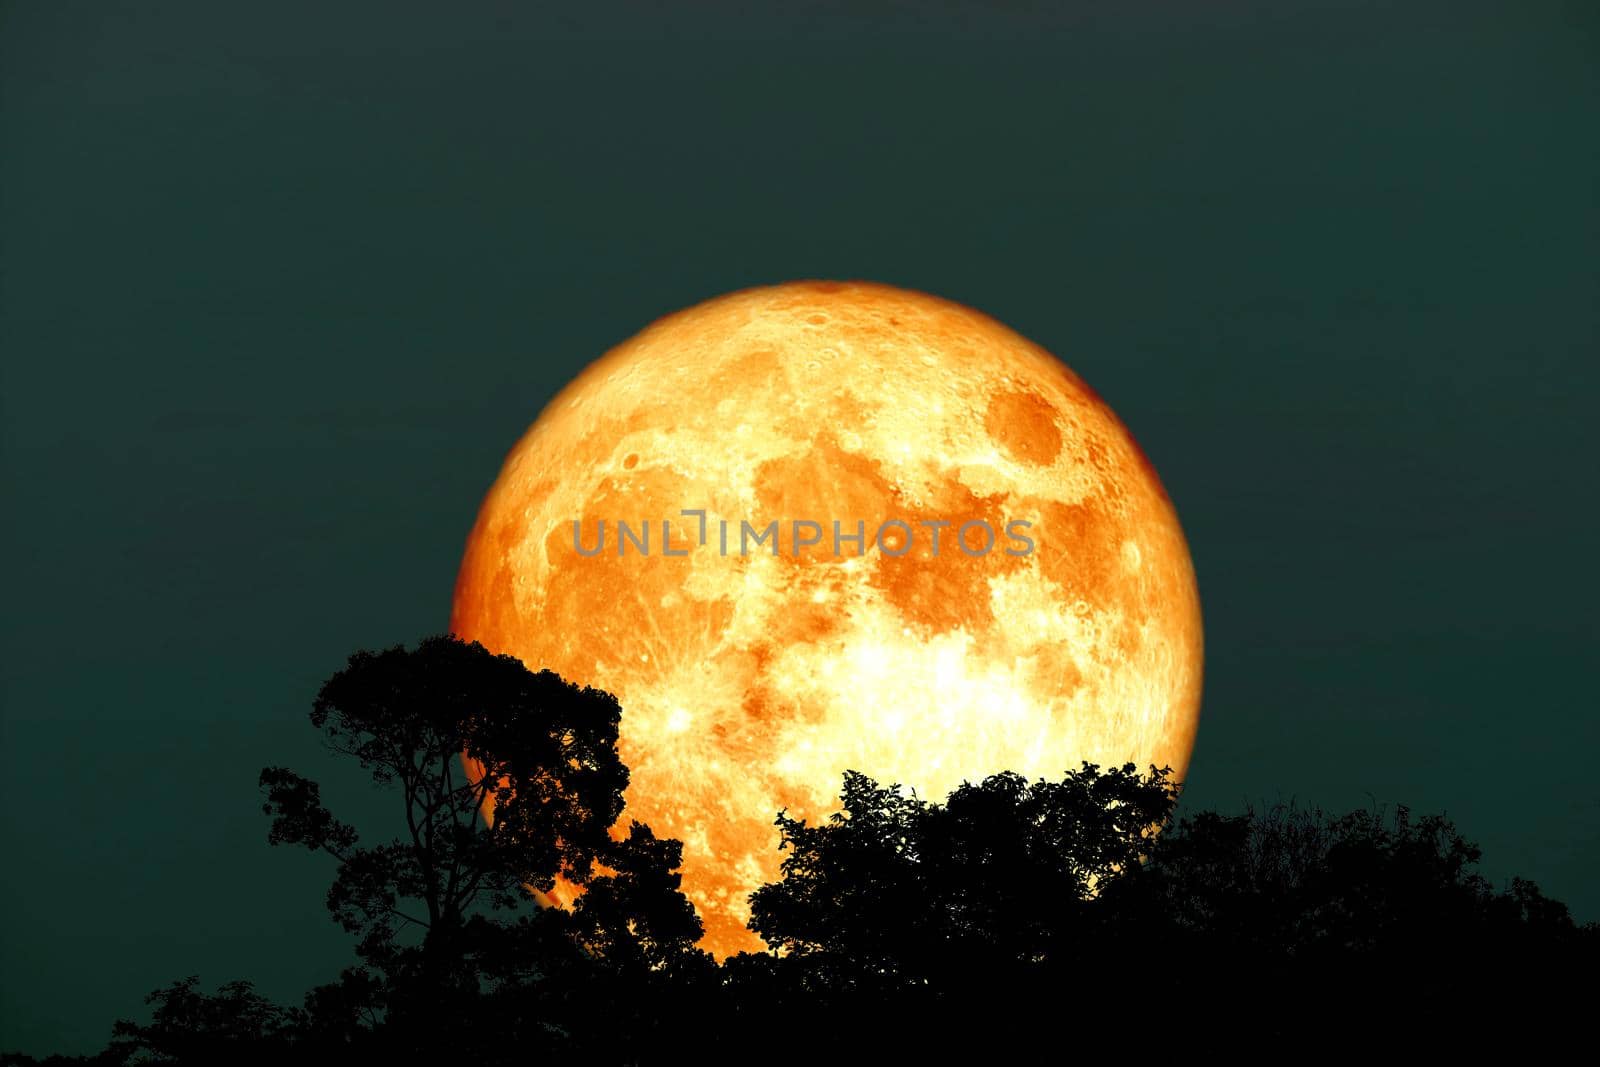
<point>1074,913</point>
<point>1000,875</point>
<point>234,1025</point>
<point>1319,908</point>
<point>435,908</point>
<point>1015,908</point>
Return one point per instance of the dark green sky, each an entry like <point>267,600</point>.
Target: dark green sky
<point>282,286</point>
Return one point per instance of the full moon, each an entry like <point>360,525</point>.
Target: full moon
<point>822,526</point>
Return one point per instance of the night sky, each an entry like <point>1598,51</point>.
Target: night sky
<point>281,286</point>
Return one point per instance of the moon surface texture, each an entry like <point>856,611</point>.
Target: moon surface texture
<point>751,676</point>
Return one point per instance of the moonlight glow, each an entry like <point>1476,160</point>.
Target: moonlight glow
<point>749,683</point>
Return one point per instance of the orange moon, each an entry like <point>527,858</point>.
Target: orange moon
<point>750,681</point>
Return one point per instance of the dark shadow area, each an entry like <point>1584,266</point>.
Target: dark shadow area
<point>1072,917</point>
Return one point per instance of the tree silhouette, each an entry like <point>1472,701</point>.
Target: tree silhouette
<point>1002,872</point>
<point>965,916</point>
<point>634,917</point>
<point>234,1025</point>
<point>432,906</point>
<point>1317,906</point>
<point>1074,915</point>
<point>1014,910</point>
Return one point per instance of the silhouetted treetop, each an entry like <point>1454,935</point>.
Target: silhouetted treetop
<point>1299,883</point>
<point>547,746</point>
<point>1001,871</point>
<point>543,753</point>
<point>634,916</point>
<point>235,1025</point>
<point>1072,915</point>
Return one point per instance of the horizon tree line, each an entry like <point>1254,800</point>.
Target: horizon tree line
<point>1014,914</point>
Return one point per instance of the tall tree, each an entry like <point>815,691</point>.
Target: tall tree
<point>544,752</point>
